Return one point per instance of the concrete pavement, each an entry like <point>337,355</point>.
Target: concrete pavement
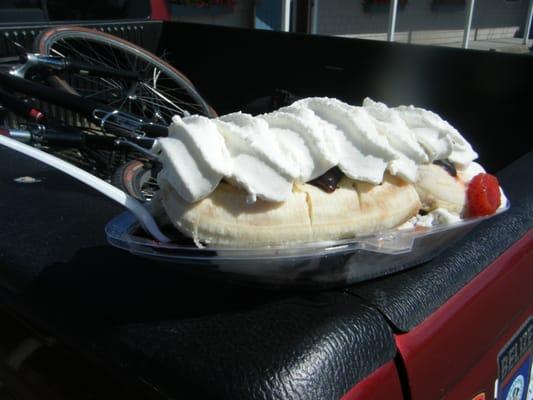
<point>506,45</point>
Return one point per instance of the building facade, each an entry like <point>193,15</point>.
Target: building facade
<point>418,21</point>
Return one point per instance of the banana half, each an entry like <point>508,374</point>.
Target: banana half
<point>356,208</point>
<point>438,189</point>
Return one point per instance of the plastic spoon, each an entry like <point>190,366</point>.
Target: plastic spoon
<point>142,214</point>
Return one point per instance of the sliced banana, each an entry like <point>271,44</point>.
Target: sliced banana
<point>226,217</point>
<point>438,189</point>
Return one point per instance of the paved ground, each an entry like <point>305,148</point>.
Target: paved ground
<point>503,44</point>
<point>506,45</point>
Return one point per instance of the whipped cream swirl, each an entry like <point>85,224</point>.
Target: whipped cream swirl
<point>267,154</point>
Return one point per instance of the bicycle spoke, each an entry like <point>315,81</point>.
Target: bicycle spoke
<point>68,48</point>
<point>114,55</point>
<point>97,93</point>
<point>157,97</point>
<point>57,53</point>
<point>160,95</point>
<point>149,101</point>
<point>96,80</point>
<point>98,54</point>
<point>183,105</point>
<point>169,93</point>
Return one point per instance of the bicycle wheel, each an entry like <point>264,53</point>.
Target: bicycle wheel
<point>160,92</point>
<point>136,178</point>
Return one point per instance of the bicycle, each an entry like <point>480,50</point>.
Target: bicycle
<point>125,96</point>
<point>150,88</point>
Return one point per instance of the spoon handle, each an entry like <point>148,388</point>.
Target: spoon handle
<point>142,214</point>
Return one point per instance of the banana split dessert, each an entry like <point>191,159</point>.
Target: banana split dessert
<point>317,170</point>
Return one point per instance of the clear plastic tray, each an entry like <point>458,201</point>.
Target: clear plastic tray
<point>307,266</point>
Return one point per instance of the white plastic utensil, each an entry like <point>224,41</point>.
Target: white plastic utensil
<point>142,214</point>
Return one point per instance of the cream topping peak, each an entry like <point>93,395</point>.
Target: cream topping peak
<point>267,154</point>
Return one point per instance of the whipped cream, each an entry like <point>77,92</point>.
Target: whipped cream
<point>437,136</point>
<point>304,139</point>
<point>194,157</point>
<point>439,216</point>
<point>390,124</point>
<point>267,154</point>
<point>366,153</point>
<point>256,160</point>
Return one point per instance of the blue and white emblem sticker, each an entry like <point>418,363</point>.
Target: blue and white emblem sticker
<point>530,386</point>
<point>516,389</point>
<point>515,365</point>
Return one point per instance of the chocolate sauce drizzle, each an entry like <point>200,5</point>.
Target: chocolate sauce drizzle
<point>328,181</point>
<point>447,165</point>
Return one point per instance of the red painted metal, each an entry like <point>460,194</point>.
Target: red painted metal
<point>484,373</point>
<point>383,383</point>
<point>452,354</point>
<point>159,10</point>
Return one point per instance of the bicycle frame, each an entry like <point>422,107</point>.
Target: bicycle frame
<point>30,62</point>
<point>111,120</point>
<point>118,98</point>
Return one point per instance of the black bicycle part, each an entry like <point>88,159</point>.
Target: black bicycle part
<point>110,119</point>
<point>161,91</point>
<point>137,178</point>
<point>21,108</point>
<point>94,151</point>
<point>51,95</point>
<point>32,64</point>
<point>96,70</point>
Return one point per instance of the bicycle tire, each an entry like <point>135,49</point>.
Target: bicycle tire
<point>135,179</point>
<point>160,107</point>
